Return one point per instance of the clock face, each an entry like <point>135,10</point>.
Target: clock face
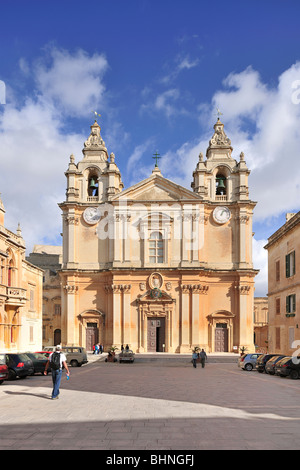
<point>221,215</point>
<point>92,215</point>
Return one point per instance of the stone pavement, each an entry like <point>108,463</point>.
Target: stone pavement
<point>152,406</point>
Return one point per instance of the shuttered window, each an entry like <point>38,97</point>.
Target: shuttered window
<point>290,264</point>
<point>291,303</point>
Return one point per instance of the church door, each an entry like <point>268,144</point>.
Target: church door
<point>221,337</point>
<point>155,334</point>
<point>91,336</point>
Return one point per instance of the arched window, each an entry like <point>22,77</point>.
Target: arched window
<point>220,185</point>
<point>93,185</point>
<point>156,248</point>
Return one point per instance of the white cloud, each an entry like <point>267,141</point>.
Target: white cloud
<point>35,148</point>
<point>74,81</point>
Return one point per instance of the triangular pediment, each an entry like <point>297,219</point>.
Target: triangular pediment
<point>157,189</point>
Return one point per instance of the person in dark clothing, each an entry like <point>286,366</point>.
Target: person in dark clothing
<point>203,358</point>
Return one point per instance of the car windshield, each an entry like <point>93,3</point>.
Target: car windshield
<point>2,359</point>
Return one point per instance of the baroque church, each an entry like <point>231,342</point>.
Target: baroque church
<point>157,266</point>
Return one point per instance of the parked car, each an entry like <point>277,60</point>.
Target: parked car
<point>76,355</point>
<point>287,367</point>
<point>126,356</point>
<point>3,369</point>
<point>270,364</point>
<point>39,362</point>
<point>248,361</point>
<point>260,365</point>
<point>19,365</point>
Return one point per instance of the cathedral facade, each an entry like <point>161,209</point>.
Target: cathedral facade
<point>157,266</point>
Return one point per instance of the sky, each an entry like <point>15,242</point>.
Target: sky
<point>156,71</point>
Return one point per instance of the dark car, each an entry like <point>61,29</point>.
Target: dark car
<point>262,360</point>
<point>288,367</point>
<point>3,369</point>
<point>271,363</point>
<point>19,365</point>
<point>39,362</point>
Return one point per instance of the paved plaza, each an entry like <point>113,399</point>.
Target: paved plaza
<point>152,406</point>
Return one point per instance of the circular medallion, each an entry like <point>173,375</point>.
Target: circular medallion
<point>156,281</point>
<point>92,215</point>
<point>221,215</point>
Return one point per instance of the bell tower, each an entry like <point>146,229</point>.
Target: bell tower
<point>96,178</point>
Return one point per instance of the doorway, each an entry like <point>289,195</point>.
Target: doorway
<point>221,337</point>
<point>92,335</point>
<point>156,334</point>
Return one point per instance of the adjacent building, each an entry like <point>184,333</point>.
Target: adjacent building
<point>158,266</point>
<point>284,287</point>
<point>48,258</point>
<point>20,294</point>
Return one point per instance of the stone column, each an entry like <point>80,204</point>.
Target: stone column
<point>126,333</point>
<point>195,314</point>
<point>116,321</point>
<point>69,335</point>
<point>185,318</point>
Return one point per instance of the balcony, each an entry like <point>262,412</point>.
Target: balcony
<point>15,296</point>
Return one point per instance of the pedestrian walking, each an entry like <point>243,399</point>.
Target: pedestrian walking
<point>96,349</point>
<point>57,360</point>
<point>194,359</point>
<point>203,358</point>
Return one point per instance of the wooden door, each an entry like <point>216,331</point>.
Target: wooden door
<point>221,338</point>
<point>91,336</point>
<point>151,335</point>
<point>155,334</point>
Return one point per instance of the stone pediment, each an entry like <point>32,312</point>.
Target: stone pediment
<point>157,189</point>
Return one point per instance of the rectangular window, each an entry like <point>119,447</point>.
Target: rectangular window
<point>290,265</point>
<point>278,306</point>
<point>291,303</point>
<point>31,334</point>
<point>277,338</point>
<point>57,309</point>
<point>31,299</point>
<point>277,270</point>
<point>291,336</point>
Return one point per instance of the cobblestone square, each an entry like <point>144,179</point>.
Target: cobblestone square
<point>144,406</point>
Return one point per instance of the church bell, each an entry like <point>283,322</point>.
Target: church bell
<point>221,184</point>
<point>93,184</point>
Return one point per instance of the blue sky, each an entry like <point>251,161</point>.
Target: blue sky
<point>155,71</point>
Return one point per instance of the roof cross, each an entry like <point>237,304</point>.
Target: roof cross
<point>156,157</point>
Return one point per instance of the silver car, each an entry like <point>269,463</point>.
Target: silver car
<point>248,361</point>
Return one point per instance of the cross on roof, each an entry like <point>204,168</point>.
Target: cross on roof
<point>156,157</point>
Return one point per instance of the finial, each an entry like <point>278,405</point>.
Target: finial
<point>96,114</point>
<point>219,113</point>
<point>156,157</point>
<point>19,231</point>
<point>242,156</point>
<point>72,158</point>
<point>200,157</point>
<point>112,158</point>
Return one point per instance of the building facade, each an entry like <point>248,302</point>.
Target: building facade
<point>20,294</point>
<point>48,258</point>
<point>157,266</point>
<point>261,324</point>
<point>284,287</point>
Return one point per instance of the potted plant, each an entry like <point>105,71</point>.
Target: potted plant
<point>243,349</point>
<point>111,354</point>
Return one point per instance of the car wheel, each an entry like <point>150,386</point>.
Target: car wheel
<point>248,367</point>
<point>74,363</point>
<point>11,374</point>
<point>294,374</point>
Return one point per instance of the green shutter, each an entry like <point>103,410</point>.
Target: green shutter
<point>287,304</point>
<point>294,260</point>
<point>294,302</point>
<point>287,265</point>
